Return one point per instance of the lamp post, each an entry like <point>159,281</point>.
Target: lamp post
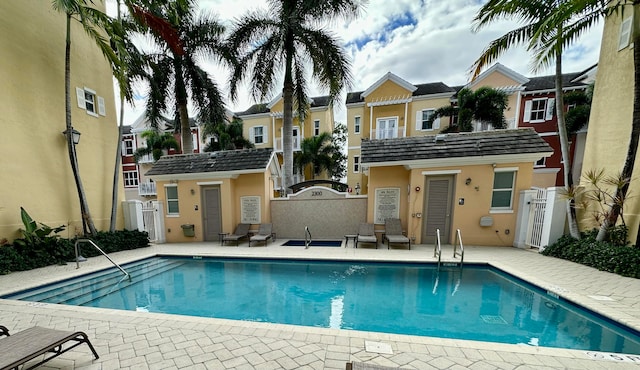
<point>357,188</point>
<point>75,135</point>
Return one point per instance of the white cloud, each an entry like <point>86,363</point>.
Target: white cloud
<point>420,41</point>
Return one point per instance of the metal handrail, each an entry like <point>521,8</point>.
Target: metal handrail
<point>78,241</point>
<point>437,248</point>
<point>307,233</point>
<point>458,241</point>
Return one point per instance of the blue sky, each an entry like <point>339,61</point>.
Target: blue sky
<point>420,41</point>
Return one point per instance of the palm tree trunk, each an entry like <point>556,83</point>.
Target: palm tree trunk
<point>116,170</point>
<point>182,97</point>
<point>287,119</point>
<point>87,222</point>
<point>564,148</point>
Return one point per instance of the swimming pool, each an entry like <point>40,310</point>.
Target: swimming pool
<point>477,302</point>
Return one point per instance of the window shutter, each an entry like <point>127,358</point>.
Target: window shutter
<point>123,148</point>
<point>252,135</point>
<point>80,97</point>
<point>550,106</point>
<point>101,109</point>
<point>419,120</point>
<point>436,123</point>
<point>527,111</point>
<point>265,137</point>
<point>625,33</point>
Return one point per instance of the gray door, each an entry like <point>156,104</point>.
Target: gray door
<point>211,213</point>
<point>438,198</point>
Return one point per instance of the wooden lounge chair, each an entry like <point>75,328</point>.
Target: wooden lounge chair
<point>241,232</point>
<point>20,348</point>
<point>366,234</point>
<point>264,234</point>
<point>393,232</point>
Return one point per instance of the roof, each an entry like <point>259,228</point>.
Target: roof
<point>223,161</point>
<point>457,145</point>
<point>314,102</point>
<point>549,82</point>
<point>421,90</point>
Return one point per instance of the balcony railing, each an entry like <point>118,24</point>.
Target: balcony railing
<point>147,158</point>
<point>387,133</point>
<point>147,188</point>
<point>296,144</point>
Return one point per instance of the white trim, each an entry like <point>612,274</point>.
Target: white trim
<point>550,133</point>
<point>359,104</point>
<point>256,115</point>
<point>205,175</point>
<point>101,107</point>
<point>462,161</point>
<point>544,170</point>
<point>319,108</point>
<point>392,101</point>
<point>510,73</point>
<point>547,91</point>
<point>205,183</point>
<point>506,169</point>
<point>501,211</point>
<point>392,77</point>
<point>378,119</point>
<point>358,165</point>
<point>354,147</point>
<point>433,96</point>
<point>443,172</point>
<point>359,132</point>
<point>274,101</point>
<point>177,199</point>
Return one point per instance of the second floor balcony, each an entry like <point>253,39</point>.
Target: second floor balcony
<point>296,144</point>
<point>147,188</point>
<point>147,158</point>
<point>387,133</point>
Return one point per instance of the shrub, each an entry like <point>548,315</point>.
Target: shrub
<point>605,256</point>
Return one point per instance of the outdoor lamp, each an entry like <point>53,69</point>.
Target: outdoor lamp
<point>357,188</point>
<point>75,133</point>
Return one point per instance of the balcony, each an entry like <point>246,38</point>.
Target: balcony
<point>147,158</point>
<point>147,188</point>
<point>296,144</point>
<point>387,133</point>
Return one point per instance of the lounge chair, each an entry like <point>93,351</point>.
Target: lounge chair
<point>393,232</point>
<point>4,331</point>
<point>264,234</point>
<point>366,234</point>
<point>24,346</point>
<point>242,232</point>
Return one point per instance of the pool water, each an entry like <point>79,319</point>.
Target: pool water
<point>475,303</point>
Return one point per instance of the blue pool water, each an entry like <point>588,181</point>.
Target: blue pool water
<point>477,302</point>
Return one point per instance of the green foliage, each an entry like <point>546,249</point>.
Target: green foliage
<point>156,143</point>
<point>228,136</point>
<point>605,256</point>
<point>578,116</point>
<point>485,105</point>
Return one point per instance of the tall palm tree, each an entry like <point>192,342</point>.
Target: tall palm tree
<point>228,137</point>
<point>544,33</point>
<point>183,36</point>
<point>317,152</point>
<point>157,144</point>
<point>485,105</point>
<point>284,39</point>
<point>92,21</point>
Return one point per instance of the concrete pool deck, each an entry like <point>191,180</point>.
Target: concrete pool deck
<point>139,340</point>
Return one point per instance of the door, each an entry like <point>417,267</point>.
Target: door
<point>387,128</point>
<point>437,209</point>
<point>211,213</point>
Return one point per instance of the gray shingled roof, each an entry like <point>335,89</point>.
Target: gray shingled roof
<point>472,144</point>
<point>422,89</point>
<point>225,161</point>
<point>316,101</point>
<point>549,82</point>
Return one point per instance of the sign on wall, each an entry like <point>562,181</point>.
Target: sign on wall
<point>250,210</point>
<point>387,204</point>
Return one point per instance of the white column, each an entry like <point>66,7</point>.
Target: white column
<point>406,110</point>
<point>371,122</point>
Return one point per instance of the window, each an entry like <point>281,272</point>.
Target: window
<point>387,128</point>
<point>503,183</point>
<point>90,102</point>
<point>356,124</point>
<point>356,163</point>
<point>538,110</point>
<point>172,199</point>
<point>130,179</point>
<point>625,33</point>
<point>316,127</point>
<point>257,135</point>
<point>128,146</point>
<point>194,140</point>
<point>542,162</point>
<point>424,119</point>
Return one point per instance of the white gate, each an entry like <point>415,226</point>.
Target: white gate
<point>152,218</point>
<point>536,219</point>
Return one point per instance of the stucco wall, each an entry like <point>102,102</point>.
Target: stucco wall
<point>328,214</point>
<point>36,169</point>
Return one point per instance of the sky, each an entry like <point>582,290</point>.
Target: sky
<point>421,41</point>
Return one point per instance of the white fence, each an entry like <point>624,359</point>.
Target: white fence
<point>541,218</point>
<point>147,216</point>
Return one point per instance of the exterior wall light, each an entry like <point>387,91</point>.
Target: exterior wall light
<point>467,181</point>
<point>75,135</point>
<point>357,188</point>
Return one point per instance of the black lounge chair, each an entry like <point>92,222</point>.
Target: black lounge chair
<point>242,232</point>
<point>4,331</point>
<point>393,232</point>
<point>366,234</point>
<point>24,346</point>
<point>264,234</point>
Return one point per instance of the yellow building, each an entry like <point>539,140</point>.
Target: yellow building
<point>612,110</point>
<point>390,108</point>
<point>36,169</point>
<point>262,125</point>
<point>207,194</point>
<point>466,181</point>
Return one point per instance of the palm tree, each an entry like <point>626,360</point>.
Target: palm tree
<point>485,105</point>
<point>284,39</point>
<point>317,152</point>
<point>174,74</point>
<point>92,20</point>
<point>545,33</point>
<point>228,137</point>
<point>157,144</point>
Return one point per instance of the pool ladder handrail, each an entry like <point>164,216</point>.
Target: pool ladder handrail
<point>437,248</point>
<point>307,242</point>
<point>83,240</point>
<point>458,242</point>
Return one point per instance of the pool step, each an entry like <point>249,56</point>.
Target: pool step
<point>66,290</point>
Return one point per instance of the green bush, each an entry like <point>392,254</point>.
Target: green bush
<point>620,259</point>
<point>26,254</point>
